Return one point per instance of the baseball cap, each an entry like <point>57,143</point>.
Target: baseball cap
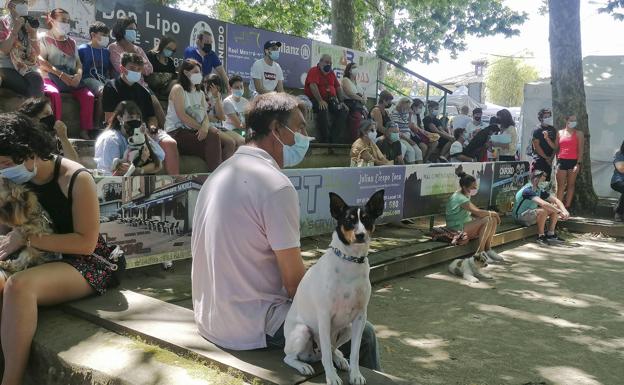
<point>271,43</point>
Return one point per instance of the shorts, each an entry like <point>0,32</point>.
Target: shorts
<point>97,274</point>
<point>527,218</point>
<point>567,164</point>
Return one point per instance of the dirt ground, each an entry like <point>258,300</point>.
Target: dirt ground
<point>551,315</point>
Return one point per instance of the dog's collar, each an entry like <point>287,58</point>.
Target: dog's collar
<point>348,258</point>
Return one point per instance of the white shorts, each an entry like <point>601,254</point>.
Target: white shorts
<point>527,218</point>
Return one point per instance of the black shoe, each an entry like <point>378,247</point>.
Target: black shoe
<point>542,239</point>
<point>555,239</point>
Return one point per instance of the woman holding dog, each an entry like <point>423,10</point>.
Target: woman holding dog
<point>68,193</point>
<point>113,143</point>
<point>463,215</point>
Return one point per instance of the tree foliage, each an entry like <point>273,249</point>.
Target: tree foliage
<point>614,7</point>
<point>403,30</point>
<point>301,17</point>
<point>505,81</point>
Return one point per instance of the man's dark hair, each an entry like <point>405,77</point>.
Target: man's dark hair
<point>131,58</point>
<point>234,79</point>
<point>98,27</point>
<point>542,112</point>
<point>385,95</point>
<point>477,110</point>
<point>432,104</point>
<point>119,29</point>
<point>458,132</point>
<point>266,108</point>
<point>202,34</point>
<point>20,139</point>
<point>32,107</point>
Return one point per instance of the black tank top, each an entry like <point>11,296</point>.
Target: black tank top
<point>54,202</point>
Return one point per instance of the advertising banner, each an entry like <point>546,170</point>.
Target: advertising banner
<point>149,217</point>
<point>428,186</point>
<point>368,64</point>
<point>245,45</point>
<point>508,178</point>
<point>354,185</point>
<point>155,21</point>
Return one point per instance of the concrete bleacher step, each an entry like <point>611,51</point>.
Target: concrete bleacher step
<point>69,350</point>
<point>135,314</point>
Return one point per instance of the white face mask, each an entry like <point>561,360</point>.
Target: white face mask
<point>355,71</point>
<point>572,124</point>
<point>372,135</point>
<point>548,121</point>
<point>543,185</point>
<point>103,41</point>
<point>473,192</point>
<point>196,78</point>
<point>62,28</point>
<point>21,9</point>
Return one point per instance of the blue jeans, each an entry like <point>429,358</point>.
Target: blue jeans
<point>369,350</point>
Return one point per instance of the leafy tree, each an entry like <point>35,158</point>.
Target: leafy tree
<point>568,87</point>
<point>505,81</point>
<point>301,17</point>
<point>403,30</point>
<point>614,7</point>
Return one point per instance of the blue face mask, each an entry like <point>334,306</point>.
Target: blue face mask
<point>133,77</point>
<point>394,136</point>
<point>18,174</point>
<point>238,93</point>
<point>294,154</point>
<point>167,52</point>
<point>130,35</point>
<point>274,55</point>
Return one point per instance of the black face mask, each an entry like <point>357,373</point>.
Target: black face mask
<point>48,122</point>
<point>132,124</point>
<point>207,47</point>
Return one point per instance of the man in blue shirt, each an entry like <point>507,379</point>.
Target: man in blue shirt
<point>204,54</point>
<point>535,205</point>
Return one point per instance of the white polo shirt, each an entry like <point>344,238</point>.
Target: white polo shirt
<point>245,210</point>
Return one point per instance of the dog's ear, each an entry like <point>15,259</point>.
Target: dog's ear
<point>336,206</point>
<point>375,204</point>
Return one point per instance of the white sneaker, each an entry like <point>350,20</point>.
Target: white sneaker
<point>494,256</point>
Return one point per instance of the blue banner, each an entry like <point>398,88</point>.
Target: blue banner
<point>354,185</point>
<point>245,45</point>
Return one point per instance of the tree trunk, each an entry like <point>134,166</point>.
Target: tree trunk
<point>383,34</point>
<point>343,22</point>
<point>568,87</point>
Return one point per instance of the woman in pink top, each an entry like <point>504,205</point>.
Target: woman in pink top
<point>62,70</point>
<point>570,144</point>
<point>126,36</point>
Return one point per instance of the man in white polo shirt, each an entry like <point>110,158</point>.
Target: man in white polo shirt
<point>266,73</point>
<point>246,258</point>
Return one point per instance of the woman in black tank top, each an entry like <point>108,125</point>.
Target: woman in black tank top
<point>68,193</point>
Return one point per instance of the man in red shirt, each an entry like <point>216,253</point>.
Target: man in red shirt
<point>323,89</point>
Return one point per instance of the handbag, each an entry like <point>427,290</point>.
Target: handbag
<point>113,257</point>
<point>444,234</point>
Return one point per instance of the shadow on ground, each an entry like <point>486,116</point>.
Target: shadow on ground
<point>551,315</point>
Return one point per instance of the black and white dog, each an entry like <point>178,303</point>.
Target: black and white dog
<point>329,308</point>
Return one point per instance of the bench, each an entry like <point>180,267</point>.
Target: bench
<point>130,313</point>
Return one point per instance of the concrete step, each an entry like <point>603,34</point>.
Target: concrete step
<point>89,354</point>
